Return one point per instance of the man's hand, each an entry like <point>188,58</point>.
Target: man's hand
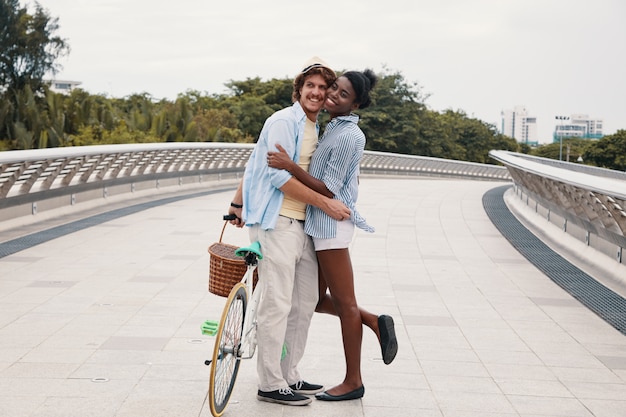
<point>236,206</point>
<point>237,212</point>
<point>336,209</point>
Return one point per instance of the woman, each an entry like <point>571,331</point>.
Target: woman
<point>334,171</point>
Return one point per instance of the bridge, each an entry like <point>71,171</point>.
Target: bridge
<point>506,283</point>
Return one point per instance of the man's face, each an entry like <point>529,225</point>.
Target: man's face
<point>313,95</point>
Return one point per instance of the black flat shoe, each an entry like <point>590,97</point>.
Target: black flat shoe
<point>352,395</point>
<point>388,341</point>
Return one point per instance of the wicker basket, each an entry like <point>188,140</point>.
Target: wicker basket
<point>225,268</point>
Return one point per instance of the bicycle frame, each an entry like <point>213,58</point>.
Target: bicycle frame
<point>235,333</point>
<point>248,342</point>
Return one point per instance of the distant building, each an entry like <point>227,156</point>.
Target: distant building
<point>577,126</point>
<point>518,125</point>
<point>64,87</point>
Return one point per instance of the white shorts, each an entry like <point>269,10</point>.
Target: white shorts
<point>345,232</point>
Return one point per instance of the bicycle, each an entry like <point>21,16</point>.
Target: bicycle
<point>235,334</point>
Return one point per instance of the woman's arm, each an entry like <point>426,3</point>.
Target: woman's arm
<point>281,160</point>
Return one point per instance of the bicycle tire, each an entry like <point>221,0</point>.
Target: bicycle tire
<point>226,353</point>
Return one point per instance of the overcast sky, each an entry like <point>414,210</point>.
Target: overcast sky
<point>555,57</point>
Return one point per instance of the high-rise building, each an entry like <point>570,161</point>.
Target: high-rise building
<point>518,125</point>
<point>577,126</point>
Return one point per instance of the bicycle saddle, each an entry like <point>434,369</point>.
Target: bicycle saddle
<point>254,247</point>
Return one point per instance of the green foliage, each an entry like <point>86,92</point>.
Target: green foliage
<point>275,93</point>
<point>477,138</point>
<point>503,142</point>
<point>28,47</point>
<point>54,133</point>
<point>437,136</point>
<point>218,125</point>
<point>21,119</point>
<point>550,150</point>
<point>251,112</point>
<point>96,135</point>
<point>569,150</point>
<point>393,122</point>
<point>524,148</point>
<point>252,101</point>
<point>28,50</point>
<point>608,152</point>
<point>398,120</point>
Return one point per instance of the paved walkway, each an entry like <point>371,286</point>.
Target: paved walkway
<point>105,321</point>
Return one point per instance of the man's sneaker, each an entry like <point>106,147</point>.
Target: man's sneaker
<point>283,396</point>
<point>304,388</point>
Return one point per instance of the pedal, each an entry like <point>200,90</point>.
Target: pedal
<point>209,327</point>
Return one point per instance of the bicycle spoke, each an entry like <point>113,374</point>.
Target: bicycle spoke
<point>227,351</point>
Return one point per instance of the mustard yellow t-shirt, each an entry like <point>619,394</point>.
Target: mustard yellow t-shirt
<point>293,208</point>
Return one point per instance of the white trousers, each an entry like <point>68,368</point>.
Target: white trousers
<point>289,294</point>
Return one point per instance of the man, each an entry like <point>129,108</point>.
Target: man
<point>273,204</point>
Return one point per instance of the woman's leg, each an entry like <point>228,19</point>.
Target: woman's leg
<point>325,304</point>
<point>336,270</point>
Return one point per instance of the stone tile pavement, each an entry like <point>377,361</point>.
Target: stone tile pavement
<point>105,321</point>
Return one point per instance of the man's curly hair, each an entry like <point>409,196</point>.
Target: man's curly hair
<point>328,75</point>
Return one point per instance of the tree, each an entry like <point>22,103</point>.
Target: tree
<point>503,142</point>
<point>28,50</point>
<point>608,152</point>
<point>477,138</point>
<point>569,149</point>
<point>252,101</point>
<point>438,137</point>
<point>23,121</point>
<point>393,122</point>
<point>276,93</point>
<point>28,47</point>
<point>218,125</point>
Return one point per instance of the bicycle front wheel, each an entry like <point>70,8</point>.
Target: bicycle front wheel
<point>226,353</point>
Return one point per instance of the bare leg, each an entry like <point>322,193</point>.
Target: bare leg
<point>325,304</point>
<point>336,270</point>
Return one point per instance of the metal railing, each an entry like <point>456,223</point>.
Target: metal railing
<point>83,167</point>
<point>593,199</point>
<point>397,164</point>
<point>41,180</point>
<point>34,180</point>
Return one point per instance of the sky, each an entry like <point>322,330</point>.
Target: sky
<point>555,57</point>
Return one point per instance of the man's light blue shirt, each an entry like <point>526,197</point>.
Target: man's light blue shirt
<point>262,198</point>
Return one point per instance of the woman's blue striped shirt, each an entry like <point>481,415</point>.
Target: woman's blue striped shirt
<point>336,162</point>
